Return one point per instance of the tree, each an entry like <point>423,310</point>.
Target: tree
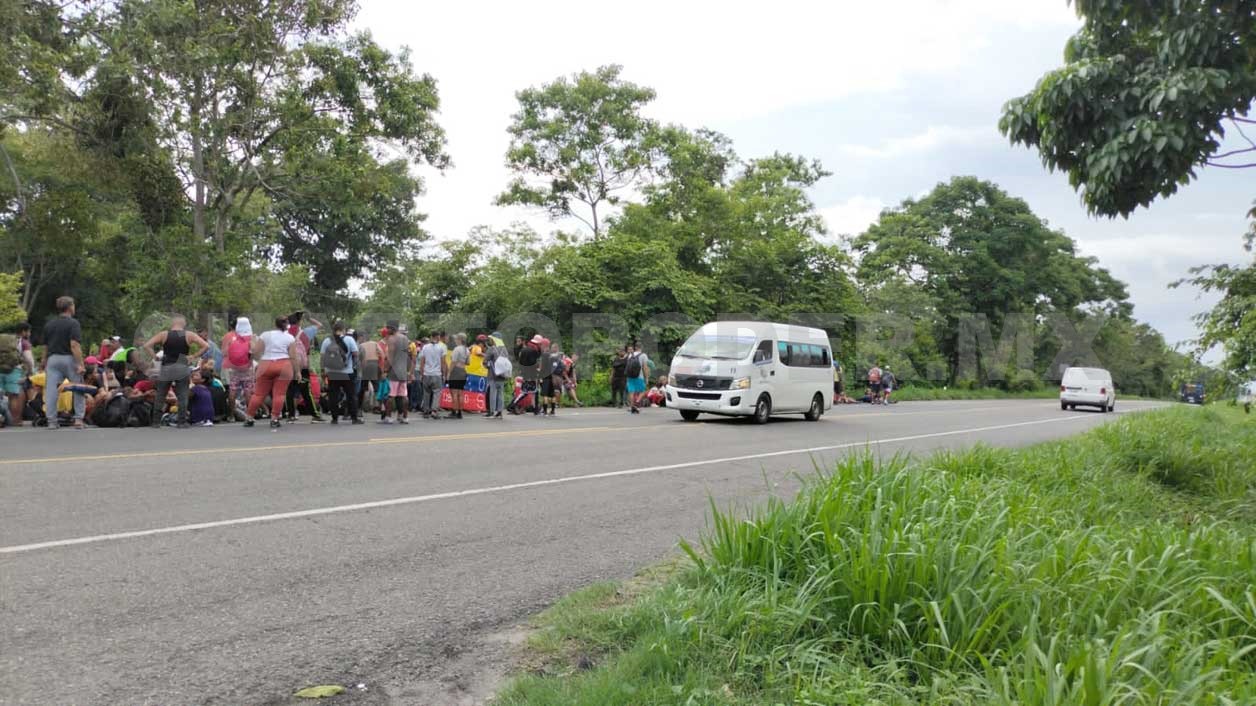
<point>1232,322</point>
<point>227,83</point>
<point>975,250</point>
<point>341,213</point>
<point>580,140</point>
<point>11,311</point>
<point>1143,98</point>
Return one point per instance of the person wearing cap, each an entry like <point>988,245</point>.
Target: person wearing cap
<point>237,365</point>
<point>109,346</point>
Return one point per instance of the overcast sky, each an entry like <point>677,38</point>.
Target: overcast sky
<point>891,97</point>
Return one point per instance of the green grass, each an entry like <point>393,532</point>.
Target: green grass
<point>1117,567</point>
<point>914,394</point>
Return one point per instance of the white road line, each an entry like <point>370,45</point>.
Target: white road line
<point>20,548</point>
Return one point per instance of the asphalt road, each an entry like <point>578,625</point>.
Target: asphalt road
<point>234,566</point>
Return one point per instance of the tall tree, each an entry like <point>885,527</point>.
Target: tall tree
<point>226,82</point>
<point>1230,324</point>
<point>978,251</point>
<point>581,140</point>
<point>1144,97</point>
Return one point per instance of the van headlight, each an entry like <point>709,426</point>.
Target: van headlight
<point>671,380</point>
<point>741,384</point>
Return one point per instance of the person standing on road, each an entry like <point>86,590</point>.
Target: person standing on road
<point>301,383</point>
<point>176,349</point>
<point>530,370</point>
<point>237,364</point>
<point>570,382</point>
<point>619,381</point>
<point>637,371</point>
<point>497,363</point>
<point>280,355</point>
<point>888,383</point>
<point>400,368</point>
<point>458,361</point>
<point>63,360</point>
<point>338,356</point>
<point>432,367</point>
<point>874,382</point>
<point>552,384</point>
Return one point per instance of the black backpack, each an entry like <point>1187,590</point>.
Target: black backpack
<point>112,414</point>
<point>633,367</point>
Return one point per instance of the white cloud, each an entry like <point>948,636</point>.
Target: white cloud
<point>852,216</point>
<point>711,64</point>
<point>933,137</point>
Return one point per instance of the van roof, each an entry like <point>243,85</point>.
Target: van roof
<point>766,329</point>
<point>1092,373</point>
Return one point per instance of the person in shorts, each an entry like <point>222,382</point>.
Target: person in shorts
<point>888,383</point>
<point>459,358</point>
<point>400,368</point>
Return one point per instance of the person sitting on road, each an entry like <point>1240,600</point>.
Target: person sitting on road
<point>200,400</point>
<point>656,395</point>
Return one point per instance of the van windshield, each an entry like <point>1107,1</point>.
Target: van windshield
<point>702,345</point>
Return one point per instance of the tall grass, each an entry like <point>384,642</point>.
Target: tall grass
<point>1116,568</point>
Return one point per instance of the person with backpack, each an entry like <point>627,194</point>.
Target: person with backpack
<point>339,354</point>
<point>637,371</point>
<point>176,349</point>
<point>12,375</point>
<point>888,383</point>
<point>500,370</point>
<point>237,363</point>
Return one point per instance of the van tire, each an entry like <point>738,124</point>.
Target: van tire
<point>762,409</point>
<point>1063,406</point>
<point>689,415</point>
<point>817,409</point>
<point>1112,407</point>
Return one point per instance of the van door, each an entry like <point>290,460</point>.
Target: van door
<point>763,372</point>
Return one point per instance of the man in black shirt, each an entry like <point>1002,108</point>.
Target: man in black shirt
<point>63,360</point>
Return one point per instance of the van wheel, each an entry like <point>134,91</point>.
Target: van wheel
<point>817,409</point>
<point>762,410</point>
<point>1112,407</point>
<point>1064,405</point>
<point>689,415</point>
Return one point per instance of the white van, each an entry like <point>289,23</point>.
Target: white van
<point>1087,387</point>
<point>1247,395</point>
<point>752,368</point>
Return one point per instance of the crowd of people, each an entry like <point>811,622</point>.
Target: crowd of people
<point>180,377</point>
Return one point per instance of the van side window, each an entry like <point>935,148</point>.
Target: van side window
<point>782,348</point>
<point>799,355</point>
<point>764,352</point>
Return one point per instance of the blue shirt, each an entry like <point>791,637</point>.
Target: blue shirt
<point>350,344</point>
<point>212,352</point>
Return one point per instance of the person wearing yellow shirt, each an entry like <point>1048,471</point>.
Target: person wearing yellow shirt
<point>65,400</point>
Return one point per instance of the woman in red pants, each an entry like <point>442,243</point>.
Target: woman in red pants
<point>278,355</point>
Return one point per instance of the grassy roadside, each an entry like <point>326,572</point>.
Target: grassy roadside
<point>1116,567</point>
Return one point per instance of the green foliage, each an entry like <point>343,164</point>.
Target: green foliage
<point>1142,98</point>
<point>1113,568</point>
<point>580,140</point>
<point>11,311</point>
<point>1232,322</point>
